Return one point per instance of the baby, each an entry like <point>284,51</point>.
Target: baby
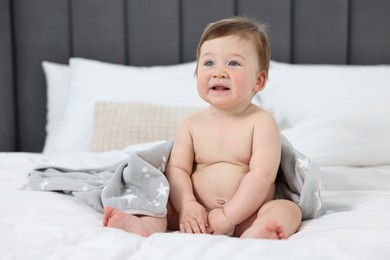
<point>225,158</point>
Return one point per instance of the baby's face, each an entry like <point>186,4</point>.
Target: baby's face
<point>228,72</point>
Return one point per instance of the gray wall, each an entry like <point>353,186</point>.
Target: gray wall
<point>132,32</point>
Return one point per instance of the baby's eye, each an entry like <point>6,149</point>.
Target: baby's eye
<point>234,63</point>
<point>209,63</point>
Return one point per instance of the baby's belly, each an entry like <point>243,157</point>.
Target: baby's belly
<point>216,184</point>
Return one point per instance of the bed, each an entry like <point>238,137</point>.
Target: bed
<point>84,83</point>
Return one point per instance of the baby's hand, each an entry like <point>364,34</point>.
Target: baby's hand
<point>193,218</point>
<point>219,223</point>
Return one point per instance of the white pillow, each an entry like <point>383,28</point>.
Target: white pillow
<point>334,114</point>
<point>93,81</point>
<point>342,141</point>
<point>300,93</point>
<point>58,88</point>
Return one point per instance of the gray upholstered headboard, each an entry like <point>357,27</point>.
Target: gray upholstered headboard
<point>151,32</point>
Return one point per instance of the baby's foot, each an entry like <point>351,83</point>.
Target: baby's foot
<point>127,222</point>
<point>271,230</point>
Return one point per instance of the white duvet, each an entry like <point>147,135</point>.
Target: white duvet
<point>49,225</point>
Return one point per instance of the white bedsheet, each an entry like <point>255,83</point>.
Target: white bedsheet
<point>49,225</point>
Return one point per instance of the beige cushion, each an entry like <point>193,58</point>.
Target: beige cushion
<point>117,125</point>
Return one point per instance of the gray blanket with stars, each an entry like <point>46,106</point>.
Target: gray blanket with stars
<point>138,185</point>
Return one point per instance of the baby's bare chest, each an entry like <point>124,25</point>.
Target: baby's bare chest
<point>230,143</point>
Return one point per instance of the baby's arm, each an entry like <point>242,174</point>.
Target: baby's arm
<point>192,215</point>
<point>263,167</point>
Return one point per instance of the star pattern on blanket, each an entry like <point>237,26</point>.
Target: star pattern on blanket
<point>162,190</point>
<point>44,184</point>
<point>164,162</point>
<point>303,163</point>
<point>145,170</point>
<point>129,197</point>
<point>154,203</point>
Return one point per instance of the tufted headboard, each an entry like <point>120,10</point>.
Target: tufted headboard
<point>157,32</point>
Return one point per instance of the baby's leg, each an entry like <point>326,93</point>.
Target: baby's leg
<point>276,219</point>
<point>142,225</point>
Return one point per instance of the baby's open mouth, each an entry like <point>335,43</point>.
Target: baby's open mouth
<point>220,88</point>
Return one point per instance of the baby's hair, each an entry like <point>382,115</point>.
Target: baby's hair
<point>245,28</point>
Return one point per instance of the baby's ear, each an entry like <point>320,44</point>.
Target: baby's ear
<point>261,80</point>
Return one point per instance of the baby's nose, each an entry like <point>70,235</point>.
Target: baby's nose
<point>220,73</point>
